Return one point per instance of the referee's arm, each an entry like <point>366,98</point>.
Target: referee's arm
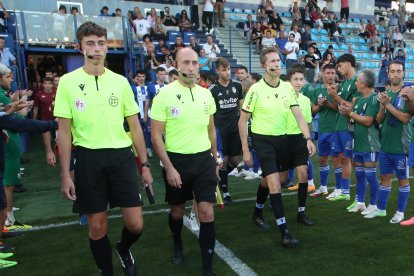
<point>244,118</point>
<point>212,137</point>
<point>65,145</point>
<point>173,177</point>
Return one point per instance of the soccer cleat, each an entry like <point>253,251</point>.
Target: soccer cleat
<point>259,220</point>
<point>242,173</point>
<point>17,226</point>
<point>6,264</point>
<point>127,261</point>
<point>407,222</point>
<point>228,201</point>
<point>287,184</point>
<point>294,187</point>
<point>5,255</point>
<point>319,192</point>
<point>352,205</point>
<point>376,213</point>
<point>302,218</point>
<point>5,247</point>
<point>234,172</point>
<point>311,188</point>
<point>369,210</point>
<point>334,193</point>
<point>193,222</point>
<point>252,176</point>
<point>397,218</point>
<point>177,257</point>
<point>359,207</point>
<point>340,197</point>
<point>288,241</point>
<point>11,234</point>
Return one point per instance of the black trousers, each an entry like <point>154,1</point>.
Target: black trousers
<point>208,19</point>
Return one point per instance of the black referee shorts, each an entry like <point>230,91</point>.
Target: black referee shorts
<point>298,154</point>
<point>198,176</point>
<point>231,144</point>
<point>105,176</point>
<point>271,150</point>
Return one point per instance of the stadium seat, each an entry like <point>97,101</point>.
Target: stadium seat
<point>376,56</point>
<point>315,38</point>
<point>408,66</point>
<point>358,55</point>
<point>324,32</point>
<point>325,39</point>
<point>410,57</point>
<point>314,31</point>
<point>366,56</point>
<point>336,47</point>
<point>238,11</point>
<point>234,17</point>
<point>364,48</point>
<point>355,47</point>
<point>381,29</point>
<point>227,10</point>
<point>302,52</point>
<point>344,47</point>
<point>361,40</point>
<point>364,21</point>
<point>172,35</point>
<point>353,40</point>
<point>187,36</point>
<point>248,11</point>
<point>356,20</point>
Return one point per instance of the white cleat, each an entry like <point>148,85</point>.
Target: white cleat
<point>252,176</point>
<point>369,210</point>
<point>335,193</point>
<point>359,207</point>
<point>243,173</point>
<point>376,213</point>
<point>397,218</point>
<point>234,172</point>
<point>193,222</point>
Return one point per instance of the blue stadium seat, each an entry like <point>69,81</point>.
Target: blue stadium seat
<point>361,40</point>
<point>355,47</point>
<point>364,48</point>
<point>353,40</point>
<point>356,20</point>
<point>187,36</point>
<point>410,57</point>
<point>344,47</point>
<point>336,47</point>
<point>325,39</point>
<point>227,10</point>
<point>366,56</point>
<point>364,21</point>
<point>302,52</point>
<point>408,66</point>
<point>323,46</point>
<point>358,55</point>
<point>323,31</point>
<point>381,29</point>
<point>314,31</point>
<point>248,11</point>
<point>315,38</point>
<point>172,35</point>
<point>234,17</point>
<point>376,56</point>
<point>238,11</point>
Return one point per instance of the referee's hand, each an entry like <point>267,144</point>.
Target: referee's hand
<point>247,158</point>
<point>173,177</point>
<point>311,148</point>
<point>68,188</point>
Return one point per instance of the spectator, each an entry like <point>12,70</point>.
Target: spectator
<point>268,7</point>
<point>397,38</point>
<point>281,44</point>
<point>105,11</point>
<point>59,25</point>
<point>219,12</point>
<point>312,4</point>
<point>401,19</point>
<point>184,22</point>
<point>316,50</point>
<point>4,15</point>
<point>271,29</point>
<point>327,60</point>
<point>297,21</point>
<point>173,76</point>
<point>204,61</point>
<point>146,42</point>
<point>311,61</point>
<point>306,38</point>
<point>324,16</point>
<point>257,35</point>
<point>370,28</point>
<point>386,43</point>
<point>317,18</point>
<point>118,12</point>
<point>375,42</point>
<point>401,54</point>
<point>142,26</point>
<point>158,30</point>
<point>361,30</point>
<point>56,80</point>
<point>211,48</point>
<point>7,58</point>
<point>194,15</point>
<point>74,11</point>
<point>165,52</point>
<point>31,71</point>
<point>168,66</point>
<point>132,16</point>
<point>383,65</point>
<point>169,21</point>
<point>292,49</point>
<point>410,22</point>
<point>208,16</point>
<point>248,27</point>
<point>177,45</point>
<point>296,34</point>
<point>344,10</point>
<point>295,10</point>
<point>152,17</point>
<point>261,16</point>
<point>307,18</point>
<point>329,50</point>
<point>275,20</point>
<point>268,40</point>
<point>336,33</point>
<point>282,29</point>
<point>350,50</point>
<point>393,22</point>
<point>148,61</point>
<point>194,45</point>
<point>160,45</point>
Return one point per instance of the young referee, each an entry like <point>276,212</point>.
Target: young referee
<point>185,111</point>
<point>269,102</point>
<point>91,104</point>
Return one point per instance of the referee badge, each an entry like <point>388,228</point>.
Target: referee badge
<point>175,112</point>
<point>80,104</point>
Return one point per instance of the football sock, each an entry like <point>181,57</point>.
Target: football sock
<point>310,170</point>
<point>338,178</point>
<point>102,253</point>
<point>371,176</point>
<point>176,226</point>
<point>127,239</point>
<point>345,182</point>
<point>261,197</point>
<point>207,239</point>
<point>361,185</point>
<point>277,207</point>
<point>324,173</point>
<point>223,180</point>
<point>302,193</point>
<point>403,194</point>
<point>256,164</point>
<point>383,195</point>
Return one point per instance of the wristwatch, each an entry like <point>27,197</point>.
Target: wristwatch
<point>146,164</point>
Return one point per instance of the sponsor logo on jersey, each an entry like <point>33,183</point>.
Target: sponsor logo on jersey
<point>175,112</point>
<point>80,104</point>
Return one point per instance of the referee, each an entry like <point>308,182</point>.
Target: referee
<point>185,111</point>
<point>91,104</point>
<point>269,102</point>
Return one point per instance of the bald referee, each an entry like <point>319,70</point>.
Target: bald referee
<point>184,110</point>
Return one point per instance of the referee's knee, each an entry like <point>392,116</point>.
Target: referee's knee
<point>135,227</point>
<point>97,230</point>
<point>206,214</point>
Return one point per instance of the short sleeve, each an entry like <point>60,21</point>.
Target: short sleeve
<point>62,102</point>
<point>307,112</point>
<point>250,101</point>
<point>293,98</point>
<point>130,106</point>
<point>212,104</point>
<point>373,107</point>
<point>158,110</point>
<point>151,92</point>
<point>36,101</point>
<point>240,88</point>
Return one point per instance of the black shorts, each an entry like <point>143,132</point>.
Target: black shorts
<point>198,176</point>
<point>298,154</point>
<point>105,176</point>
<point>270,151</point>
<point>231,144</point>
